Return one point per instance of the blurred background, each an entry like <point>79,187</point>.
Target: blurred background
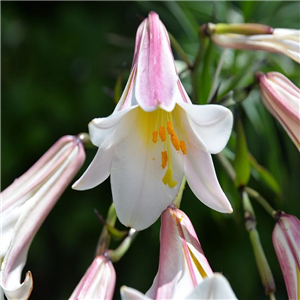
<point>60,62</point>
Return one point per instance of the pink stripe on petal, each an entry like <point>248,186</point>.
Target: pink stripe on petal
<point>156,74</point>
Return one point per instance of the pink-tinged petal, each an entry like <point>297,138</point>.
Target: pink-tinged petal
<point>213,288</point>
<point>282,98</point>
<point>202,179</point>
<point>211,123</point>
<point>128,293</point>
<point>286,241</point>
<point>156,79</point>
<point>182,264</point>
<point>98,282</point>
<point>139,193</point>
<point>55,171</point>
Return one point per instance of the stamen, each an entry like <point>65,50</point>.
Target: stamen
<point>164,159</point>
<point>154,136</point>
<point>168,179</point>
<point>170,128</point>
<point>183,147</point>
<point>175,141</point>
<point>162,133</point>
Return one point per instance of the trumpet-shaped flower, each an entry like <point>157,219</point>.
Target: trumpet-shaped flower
<point>155,135</point>
<point>183,272</point>
<point>282,98</point>
<point>25,205</point>
<point>286,241</point>
<point>98,282</point>
<point>257,37</point>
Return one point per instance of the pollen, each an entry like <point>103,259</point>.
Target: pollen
<point>170,128</point>
<point>162,133</point>
<point>175,141</point>
<point>168,179</point>
<point>164,159</point>
<point>154,136</point>
<point>183,147</point>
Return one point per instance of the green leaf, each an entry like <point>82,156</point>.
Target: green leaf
<point>262,173</point>
<point>241,162</point>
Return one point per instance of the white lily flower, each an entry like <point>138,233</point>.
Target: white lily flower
<point>183,272</point>
<point>282,98</point>
<point>25,205</point>
<point>278,40</point>
<point>98,282</point>
<point>155,136</point>
<point>286,241</point>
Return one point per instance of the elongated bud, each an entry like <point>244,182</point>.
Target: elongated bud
<point>25,205</point>
<point>98,282</point>
<point>255,37</point>
<point>286,241</point>
<point>282,99</point>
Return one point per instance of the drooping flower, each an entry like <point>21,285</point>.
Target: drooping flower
<point>286,241</point>
<point>183,272</point>
<point>98,282</point>
<point>282,98</point>
<point>25,205</point>
<point>257,37</point>
<point>155,136</point>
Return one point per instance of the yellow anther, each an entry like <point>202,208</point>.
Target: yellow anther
<point>162,133</point>
<point>183,147</point>
<point>154,136</point>
<point>175,141</point>
<point>164,159</point>
<point>170,128</point>
<point>168,179</point>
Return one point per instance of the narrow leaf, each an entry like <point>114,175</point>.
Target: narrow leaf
<point>241,162</point>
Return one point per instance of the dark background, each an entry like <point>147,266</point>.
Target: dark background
<point>60,62</point>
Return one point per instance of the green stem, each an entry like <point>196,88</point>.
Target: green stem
<point>262,201</point>
<point>203,41</point>
<point>104,239</point>
<point>217,74</point>
<point>117,254</point>
<point>272,296</point>
<point>179,50</point>
<point>227,165</point>
<point>260,257</point>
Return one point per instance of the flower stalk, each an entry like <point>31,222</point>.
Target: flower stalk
<point>260,257</point>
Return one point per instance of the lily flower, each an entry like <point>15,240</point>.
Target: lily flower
<point>183,272</point>
<point>257,37</point>
<point>98,282</point>
<point>156,135</point>
<point>282,98</point>
<point>25,205</point>
<point>286,242</point>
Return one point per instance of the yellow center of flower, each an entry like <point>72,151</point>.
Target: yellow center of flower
<point>164,133</point>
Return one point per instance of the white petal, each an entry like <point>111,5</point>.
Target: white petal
<point>139,194</point>
<point>215,287</point>
<point>97,172</point>
<point>211,123</point>
<point>105,133</point>
<point>128,293</point>
<point>202,179</point>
